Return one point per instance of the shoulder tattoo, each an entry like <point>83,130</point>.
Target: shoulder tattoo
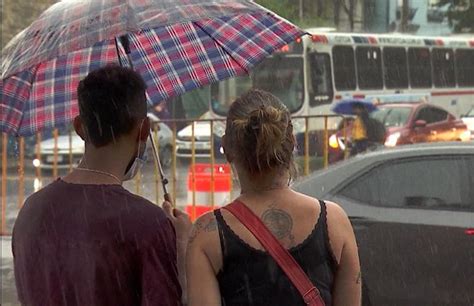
<point>278,222</point>
<point>202,226</point>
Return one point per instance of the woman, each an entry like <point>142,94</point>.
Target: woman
<point>226,265</point>
<point>360,141</point>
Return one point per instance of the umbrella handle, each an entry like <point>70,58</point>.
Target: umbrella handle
<point>164,180</point>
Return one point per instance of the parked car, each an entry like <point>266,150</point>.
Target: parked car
<point>412,209</point>
<point>468,120</point>
<point>71,148</point>
<point>202,138</point>
<point>407,123</point>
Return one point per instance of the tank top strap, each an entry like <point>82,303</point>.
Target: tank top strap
<point>221,228</point>
<point>324,226</point>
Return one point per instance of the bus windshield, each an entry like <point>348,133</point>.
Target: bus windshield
<point>392,116</point>
<point>279,75</point>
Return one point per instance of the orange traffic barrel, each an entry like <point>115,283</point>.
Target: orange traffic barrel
<point>202,195</point>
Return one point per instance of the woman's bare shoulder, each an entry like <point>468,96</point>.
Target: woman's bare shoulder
<point>203,227</point>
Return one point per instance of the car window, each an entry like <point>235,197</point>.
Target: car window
<point>392,116</point>
<point>438,115</point>
<point>470,113</point>
<point>432,115</point>
<point>425,114</point>
<point>435,183</point>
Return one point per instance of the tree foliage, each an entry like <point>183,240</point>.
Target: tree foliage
<point>460,15</point>
<point>18,14</point>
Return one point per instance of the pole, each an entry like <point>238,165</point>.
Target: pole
<point>404,16</point>
<point>301,10</point>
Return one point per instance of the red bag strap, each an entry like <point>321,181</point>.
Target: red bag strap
<point>287,263</point>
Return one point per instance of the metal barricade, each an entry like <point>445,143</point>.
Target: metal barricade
<point>178,171</point>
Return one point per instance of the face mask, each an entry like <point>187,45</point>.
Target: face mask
<point>138,163</point>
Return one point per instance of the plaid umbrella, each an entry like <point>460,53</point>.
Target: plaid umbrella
<point>176,45</point>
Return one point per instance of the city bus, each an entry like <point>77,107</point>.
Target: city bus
<point>316,71</point>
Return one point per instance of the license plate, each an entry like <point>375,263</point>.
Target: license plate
<point>50,159</point>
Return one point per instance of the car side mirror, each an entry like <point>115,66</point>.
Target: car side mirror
<point>420,123</point>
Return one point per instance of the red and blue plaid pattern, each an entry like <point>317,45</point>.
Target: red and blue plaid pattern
<point>172,60</point>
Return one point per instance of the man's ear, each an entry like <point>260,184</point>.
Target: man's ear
<point>145,130</point>
<point>79,128</point>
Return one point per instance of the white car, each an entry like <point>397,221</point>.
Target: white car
<point>202,138</point>
<point>70,149</point>
<point>468,120</point>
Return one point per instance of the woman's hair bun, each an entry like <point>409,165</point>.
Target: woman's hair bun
<point>260,131</point>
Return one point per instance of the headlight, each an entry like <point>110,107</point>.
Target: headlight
<point>37,184</point>
<point>36,163</point>
<point>392,140</point>
<point>333,141</point>
<point>465,136</point>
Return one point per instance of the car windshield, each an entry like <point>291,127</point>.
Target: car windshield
<point>280,75</point>
<point>392,116</point>
<point>470,113</point>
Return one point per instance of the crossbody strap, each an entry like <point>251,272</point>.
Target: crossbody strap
<point>287,263</point>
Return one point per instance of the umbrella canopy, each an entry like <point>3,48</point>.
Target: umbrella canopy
<point>176,45</point>
<point>346,107</point>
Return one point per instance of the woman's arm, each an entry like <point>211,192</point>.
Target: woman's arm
<point>347,285</point>
<point>203,288</point>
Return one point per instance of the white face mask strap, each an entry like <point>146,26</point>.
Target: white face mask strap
<point>139,140</point>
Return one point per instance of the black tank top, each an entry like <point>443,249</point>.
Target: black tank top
<point>252,277</point>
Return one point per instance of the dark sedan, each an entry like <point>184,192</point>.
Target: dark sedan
<point>412,208</point>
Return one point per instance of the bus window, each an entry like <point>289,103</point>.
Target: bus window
<point>369,68</point>
<point>344,68</point>
<point>465,67</point>
<point>193,103</point>
<point>223,93</point>
<point>443,68</point>
<point>395,67</point>
<point>321,81</point>
<point>419,65</point>
<point>283,77</point>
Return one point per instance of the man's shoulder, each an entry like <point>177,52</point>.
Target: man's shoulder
<point>141,213</point>
<point>139,204</point>
<point>49,191</point>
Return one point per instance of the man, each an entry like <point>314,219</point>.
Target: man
<point>84,239</point>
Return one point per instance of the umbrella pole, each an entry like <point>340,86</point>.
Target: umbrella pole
<point>164,180</point>
<point>125,42</point>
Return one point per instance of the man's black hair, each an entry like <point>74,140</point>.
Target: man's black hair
<point>111,102</point>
